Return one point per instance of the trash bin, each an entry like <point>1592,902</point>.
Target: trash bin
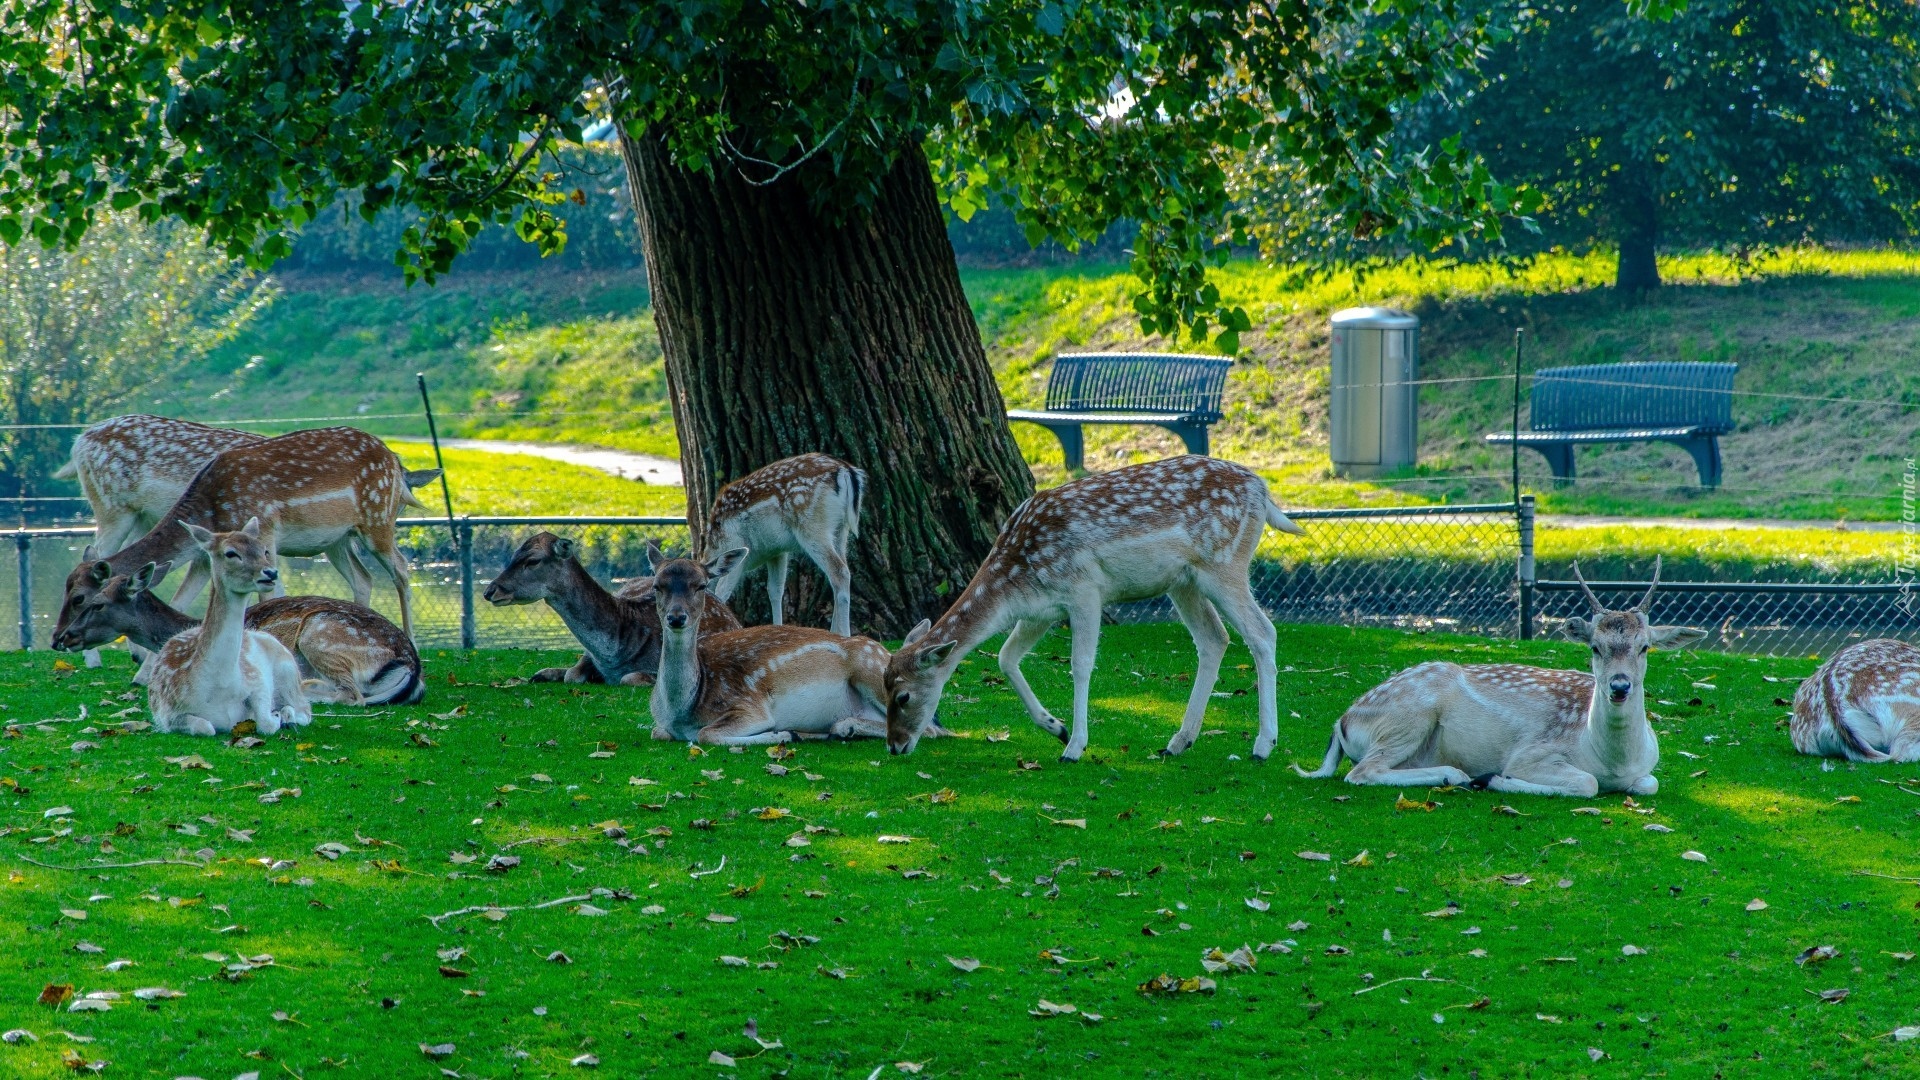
<point>1374,416</point>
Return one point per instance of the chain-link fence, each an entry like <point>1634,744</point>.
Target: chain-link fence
<point>1464,569</point>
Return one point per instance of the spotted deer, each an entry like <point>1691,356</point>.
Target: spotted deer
<point>346,653</point>
<point>620,631</point>
<point>806,505</point>
<point>1513,727</point>
<point>1185,528</point>
<point>763,684</point>
<point>1862,705</point>
<point>207,679</point>
<point>132,469</point>
<point>320,491</point>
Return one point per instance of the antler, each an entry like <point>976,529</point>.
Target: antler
<point>1598,608</point>
<point>1648,598</point>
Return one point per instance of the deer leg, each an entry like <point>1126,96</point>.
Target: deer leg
<point>1646,785</point>
<point>1210,643</point>
<point>384,549</point>
<point>833,563</point>
<point>1026,634</point>
<point>193,725</point>
<point>1385,740</point>
<point>112,531</point>
<point>859,727</point>
<point>742,728</point>
<point>1545,778</point>
<point>1244,613</point>
<point>1085,622</point>
<point>777,587</point>
<point>346,562</point>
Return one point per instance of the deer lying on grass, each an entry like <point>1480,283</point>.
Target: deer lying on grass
<point>1862,705</point>
<point>133,468</point>
<point>763,684</point>
<point>620,631</point>
<point>319,491</point>
<point>806,505</point>
<point>212,676</point>
<point>346,653</point>
<point>1511,727</point>
<point>1185,527</point>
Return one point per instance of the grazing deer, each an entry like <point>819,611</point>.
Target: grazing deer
<point>318,491</point>
<point>212,676</point>
<point>620,631</point>
<point>806,505</point>
<point>1512,727</point>
<point>132,470</point>
<point>1185,528</point>
<point>1862,705</point>
<point>763,684</point>
<point>346,653</point>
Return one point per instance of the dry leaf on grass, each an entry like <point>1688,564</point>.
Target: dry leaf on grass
<point>1404,803</point>
<point>1818,954</point>
<point>1515,879</point>
<point>584,1061</point>
<point>437,1051</point>
<point>1756,904</point>
<point>1314,856</point>
<point>964,963</point>
<point>1834,996</point>
<point>1258,904</point>
<point>1632,950</point>
<point>1693,856</point>
<point>1216,961</point>
<point>886,839</point>
<point>1299,925</point>
<point>1365,858</point>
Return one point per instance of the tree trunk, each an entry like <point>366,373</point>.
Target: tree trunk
<point>785,333</point>
<point>1638,211</point>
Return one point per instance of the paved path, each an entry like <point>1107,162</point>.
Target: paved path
<point>622,463</point>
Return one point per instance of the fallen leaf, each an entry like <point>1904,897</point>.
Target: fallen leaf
<point>964,963</point>
<point>87,947</point>
<point>1693,856</point>
<point>1589,811</point>
<point>584,1061</point>
<point>589,910</point>
<point>1515,879</point>
<point>716,917</point>
<point>1656,827</point>
<point>1818,954</point>
<point>437,1050</point>
<point>1404,803</point>
<point>1216,961</point>
<point>895,839</point>
<point>1756,904</point>
<point>1899,1034</point>
<point>1835,996</point>
<point>1632,950</point>
<point>1314,856</point>
<point>1594,1053</point>
<point>500,864</point>
<point>452,972</point>
<point>1299,925</point>
<point>1365,858</point>
<point>1047,1008</point>
<point>157,993</point>
<point>723,1060</point>
<point>734,961</point>
<point>1258,904</point>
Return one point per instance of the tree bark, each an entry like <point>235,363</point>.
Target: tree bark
<point>785,332</point>
<point>1638,211</point>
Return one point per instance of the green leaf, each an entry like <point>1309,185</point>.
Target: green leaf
<point>1051,21</point>
<point>125,200</point>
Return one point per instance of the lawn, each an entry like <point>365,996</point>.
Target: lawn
<point>1404,954</point>
<point>507,485</point>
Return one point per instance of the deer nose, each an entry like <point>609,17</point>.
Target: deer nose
<point>1619,685</point>
<point>677,620</point>
<point>270,574</point>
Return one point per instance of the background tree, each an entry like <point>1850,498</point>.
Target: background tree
<point>84,329</point>
<point>789,162</point>
<point>1725,123</point>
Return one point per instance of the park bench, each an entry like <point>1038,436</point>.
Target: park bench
<point>1687,404</point>
<point>1175,391</point>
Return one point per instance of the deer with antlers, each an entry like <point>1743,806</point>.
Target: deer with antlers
<point>133,468</point>
<point>209,678</point>
<point>320,491</point>
<point>1185,528</point>
<point>346,653</point>
<point>619,630</point>
<point>762,684</point>
<point>1862,705</point>
<point>805,505</point>
<point>1516,728</point>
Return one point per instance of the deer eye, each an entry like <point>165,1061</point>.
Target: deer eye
<point>1644,649</point>
<point>902,698</point>
<point>233,554</point>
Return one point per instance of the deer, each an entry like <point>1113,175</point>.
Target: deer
<point>209,678</point>
<point>805,505</point>
<point>1185,528</point>
<point>132,469</point>
<point>1862,705</point>
<point>346,653</point>
<point>619,630</point>
<point>319,491</point>
<point>1515,727</point>
<point>761,684</point>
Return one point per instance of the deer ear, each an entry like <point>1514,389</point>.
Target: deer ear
<point>919,631</point>
<point>200,536</point>
<point>654,557</point>
<point>86,554</point>
<point>1579,629</point>
<point>933,655</point>
<point>99,572</point>
<point>1677,637</point>
<point>565,548</point>
<point>144,578</point>
<point>722,564</point>
<point>252,527</point>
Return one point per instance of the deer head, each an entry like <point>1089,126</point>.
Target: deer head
<point>1620,641</point>
<point>110,611</point>
<point>916,677</point>
<point>540,567</point>
<point>242,561</point>
<point>85,580</point>
<point>680,586</point>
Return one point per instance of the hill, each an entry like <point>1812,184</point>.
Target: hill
<point>572,356</point>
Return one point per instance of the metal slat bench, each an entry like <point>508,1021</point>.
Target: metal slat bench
<point>1176,391</point>
<point>1687,404</point>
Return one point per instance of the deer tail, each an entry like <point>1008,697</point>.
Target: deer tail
<point>68,471</point>
<point>1281,521</point>
<point>1842,715</point>
<point>1331,762</point>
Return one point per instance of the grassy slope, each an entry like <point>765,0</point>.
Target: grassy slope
<point>1717,991</point>
<point>515,484</point>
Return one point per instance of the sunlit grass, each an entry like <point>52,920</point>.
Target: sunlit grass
<point>356,962</point>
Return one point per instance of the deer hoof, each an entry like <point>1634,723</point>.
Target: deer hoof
<point>1481,782</point>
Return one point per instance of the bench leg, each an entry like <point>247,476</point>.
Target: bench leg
<point>1706,457</point>
<point>1194,435</point>
<point>1560,459</point>
<point>1072,445</point>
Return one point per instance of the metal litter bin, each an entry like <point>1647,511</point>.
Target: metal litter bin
<point>1375,413</point>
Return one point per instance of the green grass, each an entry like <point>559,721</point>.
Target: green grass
<point>1717,992</point>
<point>503,485</point>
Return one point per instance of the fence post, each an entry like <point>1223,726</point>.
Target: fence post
<point>1525,569</point>
<point>463,536</point>
<point>24,544</point>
